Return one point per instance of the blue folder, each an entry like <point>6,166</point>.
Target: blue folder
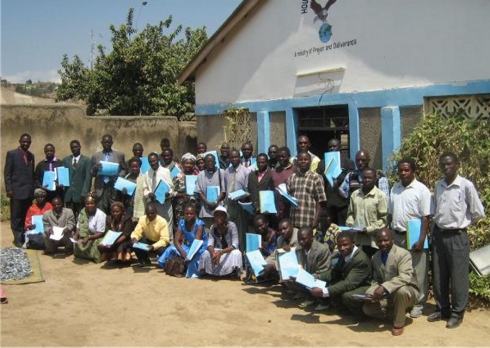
<point>267,202</point>
<point>125,183</point>
<point>253,241</point>
<point>63,176</point>
<point>190,184</point>
<point>160,191</point>
<point>37,220</point>
<point>288,264</point>
<point>145,165</point>
<point>175,171</point>
<point>48,180</point>
<point>196,244</point>
<point>109,168</point>
<point>212,193</point>
<point>256,261</point>
<point>332,166</point>
<point>413,233</point>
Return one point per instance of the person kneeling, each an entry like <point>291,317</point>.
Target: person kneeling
<point>61,219</point>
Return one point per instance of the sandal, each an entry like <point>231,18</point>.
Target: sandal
<point>3,297</point>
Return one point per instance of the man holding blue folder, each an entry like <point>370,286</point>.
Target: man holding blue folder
<point>49,163</point>
<point>410,200</point>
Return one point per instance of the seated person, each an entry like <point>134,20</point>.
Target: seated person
<point>58,217</point>
<point>118,221</point>
<point>327,232</point>
<point>189,228</point>
<point>351,274</point>
<point>152,230</point>
<point>39,207</point>
<point>394,287</point>
<point>316,259</point>
<point>222,257</point>
<point>90,230</point>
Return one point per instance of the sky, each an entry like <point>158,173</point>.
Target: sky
<point>35,34</point>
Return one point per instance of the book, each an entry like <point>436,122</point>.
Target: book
<point>110,238</point>
<point>332,166</point>
<point>37,221</point>
<point>308,280</point>
<point>63,175</point>
<point>175,171</point>
<point>160,191</point>
<point>267,202</point>
<point>108,169</point>
<point>256,261</point>
<point>141,246</point>
<point>351,229</point>
<point>238,194</point>
<point>57,233</point>
<point>284,192</point>
<point>253,241</point>
<point>122,183</point>
<point>216,158</point>
<point>288,264</point>
<point>190,184</point>
<point>212,193</point>
<point>196,244</point>
<point>248,207</point>
<point>145,165</point>
<point>413,233</point>
<point>49,178</point>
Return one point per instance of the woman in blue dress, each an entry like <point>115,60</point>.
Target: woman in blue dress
<point>188,229</point>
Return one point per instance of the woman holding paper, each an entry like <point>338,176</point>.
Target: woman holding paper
<point>190,232</point>
<point>121,224</point>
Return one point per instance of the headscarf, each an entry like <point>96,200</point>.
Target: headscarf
<point>188,157</point>
<point>39,192</point>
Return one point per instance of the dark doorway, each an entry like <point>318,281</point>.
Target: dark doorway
<point>323,123</point>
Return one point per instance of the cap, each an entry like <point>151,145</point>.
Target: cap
<point>221,209</point>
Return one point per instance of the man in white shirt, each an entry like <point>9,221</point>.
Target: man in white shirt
<point>410,200</point>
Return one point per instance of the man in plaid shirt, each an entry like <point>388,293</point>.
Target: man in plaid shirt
<point>307,187</point>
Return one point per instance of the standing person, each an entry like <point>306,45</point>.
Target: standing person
<point>137,151</point>
<point>368,210</point>
<point>200,165</point>
<point>49,163</point>
<point>353,180</point>
<point>79,167</point>
<point>394,287</point>
<point>58,217</point>
<point>304,144</point>
<point>259,180</point>
<point>104,185</point>
<point>224,158</point>
<point>247,158</point>
<point>236,178</point>
<point>307,187</point>
<point>279,176</point>
<point>167,159</point>
<point>210,176</point>
<point>456,206</point>
<point>135,204</point>
<point>155,174</point>
<point>336,207</point>
<point>182,199</point>
<point>19,185</point>
<point>272,154</point>
<point>202,148</point>
<point>410,199</point>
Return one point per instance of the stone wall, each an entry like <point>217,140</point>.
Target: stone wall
<point>59,124</point>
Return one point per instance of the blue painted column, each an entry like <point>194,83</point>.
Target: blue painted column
<point>390,132</point>
<point>263,132</point>
<point>291,129</point>
<point>354,133</point>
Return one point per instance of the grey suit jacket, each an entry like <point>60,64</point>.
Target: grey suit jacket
<point>115,157</point>
<point>397,272</point>
<point>80,178</point>
<point>318,261</point>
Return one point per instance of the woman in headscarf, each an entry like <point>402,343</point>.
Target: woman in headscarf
<point>182,198</point>
<point>121,248</point>
<point>91,227</point>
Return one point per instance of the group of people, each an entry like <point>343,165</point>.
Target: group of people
<point>368,268</point>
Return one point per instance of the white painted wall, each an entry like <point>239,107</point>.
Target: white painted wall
<point>399,43</point>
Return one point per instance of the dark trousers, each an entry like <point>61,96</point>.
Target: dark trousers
<point>75,207</point>
<point>143,255</point>
<point>18,212</point>
<point>451,256</point>
<point>109,196</point>
<point>338,215</point>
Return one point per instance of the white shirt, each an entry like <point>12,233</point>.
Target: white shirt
<point>161,174</point>
<point>457,205</point>
<point>408,203</point>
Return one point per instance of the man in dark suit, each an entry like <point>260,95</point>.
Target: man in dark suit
<point>105,193</point>
<point>19,185</point>
<point>79,167</point>
<point>352,274</point>
<point>49,163</point>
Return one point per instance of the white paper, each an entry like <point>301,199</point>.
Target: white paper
<point>57,233</point>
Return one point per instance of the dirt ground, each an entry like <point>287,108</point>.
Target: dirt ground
<point>87,304</point>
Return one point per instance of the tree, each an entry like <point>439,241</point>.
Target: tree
<point>139,75</point>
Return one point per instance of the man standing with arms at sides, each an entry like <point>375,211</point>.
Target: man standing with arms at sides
<point>279,176</point>
<point>247,159</point>
<point>224,158</point>
<point>368,210</point>
<point>137,152</point>
<point>307,187</point>
<point>105,193</point>
<point>409,200</point>
<point>456,206</point>
<point>19,185</point>
<point>304,144</point>
<point>80,178</point>
<point>210,176</point>
<point>272,153</point>
<point>353,180</point>
<point>336,207</point>
<point>236,178</point>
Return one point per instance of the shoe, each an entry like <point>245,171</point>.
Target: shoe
<point>322,307</point>
<point>453,322</point>
<point>18,244</point>
<point>416,311</point>
<point>298,296</point>
<point>397,331</point>
<point>145,264</point>
<point>306,303</point>
<point>436,316</point>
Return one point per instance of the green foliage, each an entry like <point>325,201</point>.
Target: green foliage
<point>36,89</point>
<point>4,208</point>
<point>470,141</point>
<point>138,77</point>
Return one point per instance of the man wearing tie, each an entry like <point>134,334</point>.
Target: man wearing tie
<point>80,178</point>
<point>49,163</point>
<point>105,193</point>
<point>19,185</point>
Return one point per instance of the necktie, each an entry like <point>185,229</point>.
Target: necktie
<point>50,165</point>
<point>24,154</point>
<point>106,158</point>
<point>154,181</point>
<point>74,163</point>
